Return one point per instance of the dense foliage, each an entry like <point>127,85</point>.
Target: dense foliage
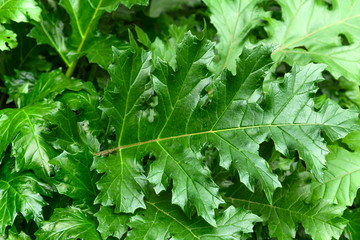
<point>181,119</point>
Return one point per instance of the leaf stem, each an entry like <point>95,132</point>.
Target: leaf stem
<point>72,66</point>
<point>71,69</point>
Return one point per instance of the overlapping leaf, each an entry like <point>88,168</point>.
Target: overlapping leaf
<point>352,230</point>
<point>321,219</point>
<point>7,39</point>
<point>20,193</point>
<point>47,86</point>
<point>74,178</point>
<point>157,7</point>
<point>111,224</point>
<point>233,20</point>
<point>68,223</point>
<point>23,127</point>
<point>183,119</point>
<point>162,220</point>
<point>310,32</point>
<point>18,11</point>
<point>84,16</point>
<point>341,178</point>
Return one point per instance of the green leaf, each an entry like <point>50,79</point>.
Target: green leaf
<point>84,16</point>
<point>157,7</point>
<point>68,223</point>
<point>130,3</point>
<point>161,220</point>
<point>71,132</point>
<point>13,235</point>
<point>7,39</point>
<point>310,32</point>
<point>48,86</point>
<point>20,193</point>
<point>321,219</point>
<point>352,230</point>
<point>177,119</point>
<point>353,140</point>
<point>23,127</point>
<point>124,180</point>
<point>233,20</point>
<point>166,50</point>
<point>19,10</point>
<point>50,30</point>
<point>341,178</point>
<point>101,52</point>
<point>73,177</point>
<point>111,224</point>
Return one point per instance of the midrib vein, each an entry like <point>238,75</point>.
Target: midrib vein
<point>108,151</point>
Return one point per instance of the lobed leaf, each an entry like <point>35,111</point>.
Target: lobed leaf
<point>161,221</point>
<point>233,20</point>
<point>321,219</point>
<point>340,178</point>
<point>176,119</point>
<point>310,32</point>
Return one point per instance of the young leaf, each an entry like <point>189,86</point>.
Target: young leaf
<point>321,219</point>
<point>310,32</point>
<point>68,223</point>
<point>233,20</point>
<point>161,220</point>
<point>341,178</point>
<point>20,193</point>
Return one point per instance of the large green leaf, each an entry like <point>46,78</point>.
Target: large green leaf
<point>162,220</point>
<point>123,182</point>
<point>321,219</point>
<point>20,193</point>
<point>177,119</point>
<point>341,178</point>
<point>310,32</point>
<point>68,223</point>
<point>233,20</point>
<point>23,128</point>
